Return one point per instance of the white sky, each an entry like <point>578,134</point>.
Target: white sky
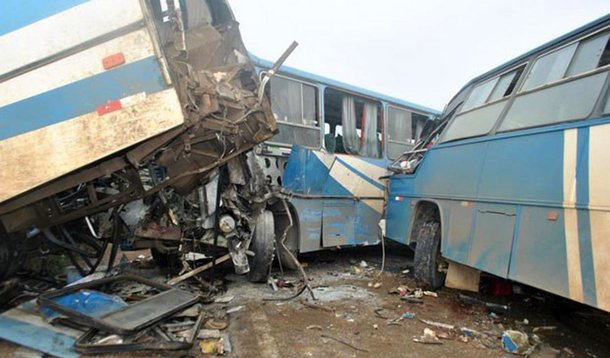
<point>421,51</point>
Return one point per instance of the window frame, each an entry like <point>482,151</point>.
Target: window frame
<point>533,60</point>
<point>381,104</point>
<point>318,113</point>
<point>526,69</point>
<point>518,90</point>
<point>387,126</point>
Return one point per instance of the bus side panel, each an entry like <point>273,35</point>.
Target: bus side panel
<point>309,223</point>
<point>451,171</point>
<point>77,109</point>
<point>333,183</point>
<point>599,216</point>
<point>456,240</point>
<point>399,210</point>
<point>539,254</point>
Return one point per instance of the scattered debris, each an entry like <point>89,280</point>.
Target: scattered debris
<point>216,323</point>
<point>124,319</point>
<point>489,305</point>
<point>408,315</point>
<point>198,270</point>
<point>544,328</point>
<point>430,293</point>
<point>306,303</point>
<point>235,309</point>
<point>314,326</point>
<point>429,337</point>
<point>438,324</point>
<point>225,299</point>
<point>517,342</point>
<point>344,343</point>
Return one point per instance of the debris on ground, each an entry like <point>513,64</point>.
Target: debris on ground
<point>429,337</point>
<point>517,342</point>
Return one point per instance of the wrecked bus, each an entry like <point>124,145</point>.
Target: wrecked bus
<point>334,144</point>
<point>125,123</point>
<point>515,180</point>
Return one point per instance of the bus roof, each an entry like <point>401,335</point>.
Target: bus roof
<point>585,28</point>
<point>341,85</point>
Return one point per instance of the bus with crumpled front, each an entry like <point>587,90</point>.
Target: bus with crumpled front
<point>515,181</point>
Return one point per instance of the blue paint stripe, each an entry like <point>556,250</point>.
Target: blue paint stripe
<point>584,222</point>
<point>42,339</point>
<point>80,97</point>
<point>20,13</point>
<point>360,174</point>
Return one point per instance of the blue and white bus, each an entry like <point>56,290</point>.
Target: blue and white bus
<point>335,142</point>
<point>515,181</point>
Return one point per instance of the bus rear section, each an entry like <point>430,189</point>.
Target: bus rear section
<point>515,183</point>
<point>115,117</point>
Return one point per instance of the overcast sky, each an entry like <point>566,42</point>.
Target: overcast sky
<point>420,51</point>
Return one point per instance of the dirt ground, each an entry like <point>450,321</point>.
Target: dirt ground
<point>356,316</point>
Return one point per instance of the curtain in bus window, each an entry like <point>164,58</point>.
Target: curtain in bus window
<point>400,132</point>
<point>369,142</point>
<point>360,136</point>
<point>351,140</point>
<point>286,100</point>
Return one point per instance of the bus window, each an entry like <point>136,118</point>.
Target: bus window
<point>404,129</point>
<point>294,106</point>
<point>493,89</point>
<point>565,100</point>
<point>474,123</point>
<point>607,107</point>
<point>570,60</point>
<point>359,121</point>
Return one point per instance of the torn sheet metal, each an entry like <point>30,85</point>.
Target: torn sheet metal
<point>129,319</point>
<point>24,326</point>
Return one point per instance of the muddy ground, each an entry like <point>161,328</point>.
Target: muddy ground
<point>356,316</point>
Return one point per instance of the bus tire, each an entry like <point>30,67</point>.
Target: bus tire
<point>263,246</point>
<point>427,255</point>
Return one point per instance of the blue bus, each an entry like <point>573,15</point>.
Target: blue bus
<point>514,180</point>
<point>334,144</point>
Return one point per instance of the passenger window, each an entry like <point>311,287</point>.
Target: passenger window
<point>589,54</point>
<point>506,84</point>
<point>479,94</point>
<point>404,129</point>
<point>564,102</point>
<point>549,68</point>
<point>355,125</point>
<point>571,60</point>
<point>294,106</point>
<point>474,123</point>
<point>494,89</point>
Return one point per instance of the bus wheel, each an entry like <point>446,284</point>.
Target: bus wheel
<point>428,259</point>
<point>263,246</point>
